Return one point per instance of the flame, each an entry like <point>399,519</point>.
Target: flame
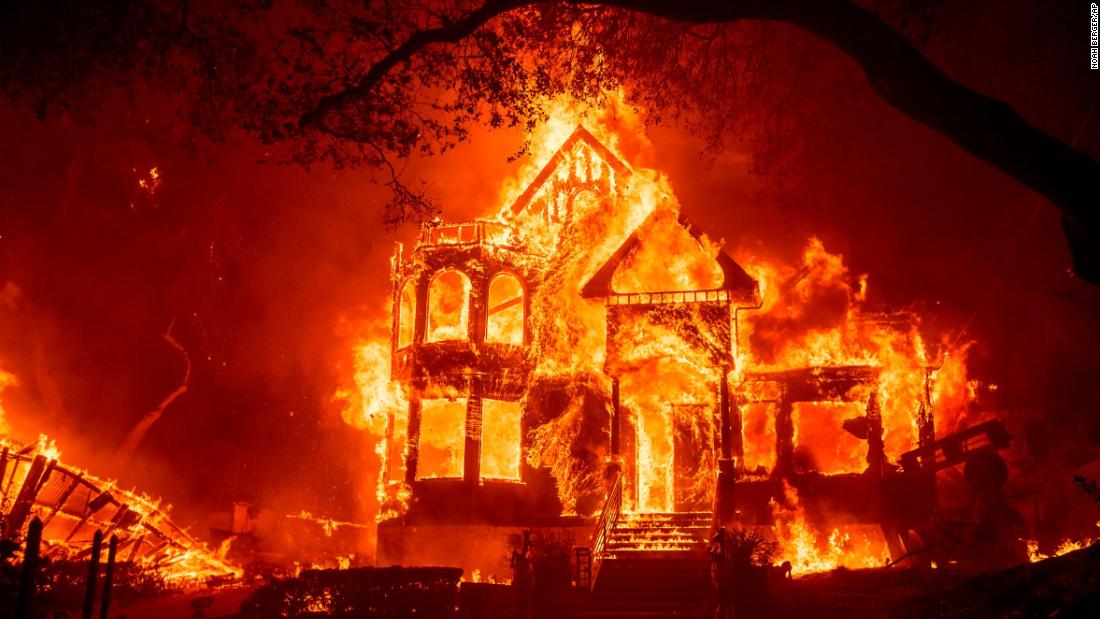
<point>1066,546</point>
<point>48,447</point>
<point>571,207</point>
<point>180,561</point>
<point>6,380</point>
<point>812,550</point>
<point>380,406</point>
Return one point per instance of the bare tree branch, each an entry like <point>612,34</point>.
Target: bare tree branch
<point>896,71</point>
<point>133,439</point>
<point>452,32</point>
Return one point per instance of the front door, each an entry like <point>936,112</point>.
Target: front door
<point>671,407</point>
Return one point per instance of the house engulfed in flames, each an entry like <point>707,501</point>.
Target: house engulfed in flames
<point>586,356</point>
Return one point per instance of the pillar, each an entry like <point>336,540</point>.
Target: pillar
<point>616,420</point>
<point>724,499</point>
<point>413,451</point>
<point>784,435</point>
<point>471,455</point>
<point>876,454</point>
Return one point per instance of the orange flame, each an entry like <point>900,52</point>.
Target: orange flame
<point>573,216</point>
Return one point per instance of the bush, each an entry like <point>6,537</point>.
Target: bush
<point>390,592</point>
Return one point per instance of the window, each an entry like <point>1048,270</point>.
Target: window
<point>448,307</point>
<point>500,439</point>
<point>406,315</point>
<point>506,311</point>
<point>442,438</point>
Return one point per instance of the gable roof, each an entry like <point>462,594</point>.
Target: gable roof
<point>741,286</point>
<point>580,134</point>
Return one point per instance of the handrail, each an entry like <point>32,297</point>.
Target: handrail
<point>716,295</point>
<point>612,509</point>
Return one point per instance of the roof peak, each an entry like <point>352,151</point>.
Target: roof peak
<point>579,134</point>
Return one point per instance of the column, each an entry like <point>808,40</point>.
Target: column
<point>616,420</point>
<point>725,492</point>
<point>413,451</point>
<point>471,462</point>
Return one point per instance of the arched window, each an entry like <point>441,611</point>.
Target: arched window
<point>448,307</point>
<point>506,311</point>
<point>406,315</point>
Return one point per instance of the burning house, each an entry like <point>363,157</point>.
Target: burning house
<point>587,362</point>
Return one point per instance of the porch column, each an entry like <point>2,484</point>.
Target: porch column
<point>471,462</point>
<point>784,435</point>
<point>616,421</point>
<point>876,455</point>
<point>412,454</point>
<point>725,500</point>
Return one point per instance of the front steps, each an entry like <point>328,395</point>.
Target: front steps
<point>655,565</point>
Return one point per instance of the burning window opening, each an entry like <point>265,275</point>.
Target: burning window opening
<point>500,444</point>
<point>441,438</point>
<point>448,306</point>
<point>506,321</point>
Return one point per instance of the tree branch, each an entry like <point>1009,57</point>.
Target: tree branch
<point>130,444</point>
<point>896,71</point>
<point>452,32</point>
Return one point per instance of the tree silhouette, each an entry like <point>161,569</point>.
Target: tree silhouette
<point>375,82</point>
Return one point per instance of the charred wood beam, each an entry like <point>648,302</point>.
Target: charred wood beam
<point>784,437</point>
<point>499,307</point>
<point>99,502</point>
<point>876,454</point>
<point>73,485</point>
<point>616,420</point>
<point>471,457</point>
<point>412,454</point>
<point>25,500</point>
<point>136,549</point>
<point>725,423</point>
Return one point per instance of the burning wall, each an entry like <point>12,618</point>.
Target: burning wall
<point>672,347</point>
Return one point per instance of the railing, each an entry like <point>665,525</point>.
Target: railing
<point>468,233</point>
<point>662,298</point>
<point>612,508</point>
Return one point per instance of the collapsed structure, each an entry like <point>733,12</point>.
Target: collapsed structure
<point>73,504</point>
<point>582,356</point>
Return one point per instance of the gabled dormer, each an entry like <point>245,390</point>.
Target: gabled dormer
<point>677,265</point>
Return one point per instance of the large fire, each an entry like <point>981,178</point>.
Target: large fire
<point>73,503</point>
<point>810,314</point>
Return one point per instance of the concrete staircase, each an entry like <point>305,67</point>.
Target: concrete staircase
<point>655,565</point>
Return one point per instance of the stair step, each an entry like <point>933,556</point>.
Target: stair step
<point>654,566</point>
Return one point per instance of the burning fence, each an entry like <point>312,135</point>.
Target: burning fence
<point>73,504</point>
<point>588,337</point>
